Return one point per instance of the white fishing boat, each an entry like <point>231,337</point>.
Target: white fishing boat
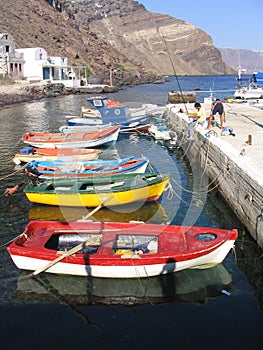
<point>161,132</point>
<point>253,89</point>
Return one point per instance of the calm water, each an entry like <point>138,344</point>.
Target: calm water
<point>190,311</point>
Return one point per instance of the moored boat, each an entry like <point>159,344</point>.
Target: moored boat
<point>64,169</point>
<point>94,191</point>
<point>27,154</point>
<point>162,132</point>
<point>88,127</point>
<point>140,124</point>
<point>118,250</point>
<point>252,89</point>
<point>130,119</point>
<point>86,139</point>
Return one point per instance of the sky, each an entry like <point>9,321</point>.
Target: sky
<point>230,23</point>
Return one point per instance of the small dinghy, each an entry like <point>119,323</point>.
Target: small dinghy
<point>64,169</point>
<point>86,139</point>
<point>93,191</point>
<point>117,249</point>
<point>28,154</point>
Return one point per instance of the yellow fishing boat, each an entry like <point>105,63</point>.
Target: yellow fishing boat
<point>113,190</point>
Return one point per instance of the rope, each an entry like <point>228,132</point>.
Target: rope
<point>204,189</point>
<point>139,278</point>
<point>14,172</point>
<point>152,170</point>
<point>207,135</point>
<point>172,192</point>
<point>7,243</point>
<point>171,60</point>
<point>15,145</point>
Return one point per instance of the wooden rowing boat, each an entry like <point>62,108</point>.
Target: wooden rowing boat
<point>64,169</point>
<point>91,192</point>
<point>118,250</point>
<point>86,139</point>
<point>90,127</point>
<point>27,154</point>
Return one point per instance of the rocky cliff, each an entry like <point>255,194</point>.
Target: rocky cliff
<point>112,34</point>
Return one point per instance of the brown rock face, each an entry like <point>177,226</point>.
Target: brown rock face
<point>112,34</point>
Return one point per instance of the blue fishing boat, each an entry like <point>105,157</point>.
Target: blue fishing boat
<point>130,119</point>
<point>77,169</point>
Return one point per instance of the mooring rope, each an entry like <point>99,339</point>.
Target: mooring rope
<point>13,173</point>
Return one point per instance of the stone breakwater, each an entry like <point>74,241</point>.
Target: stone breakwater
<point>233,163</point>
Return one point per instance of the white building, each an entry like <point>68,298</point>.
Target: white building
<point>34,64</point>
<point>38,66</point>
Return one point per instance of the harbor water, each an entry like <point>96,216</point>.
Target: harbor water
<point>215,308</point>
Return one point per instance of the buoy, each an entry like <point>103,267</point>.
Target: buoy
<point>10,191</point>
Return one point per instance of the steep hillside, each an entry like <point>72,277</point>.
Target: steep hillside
<point>160,43</point>
<point>104,34</point>
<point>248,59</point>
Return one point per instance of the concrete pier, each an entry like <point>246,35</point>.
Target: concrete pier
<point>234,163</point>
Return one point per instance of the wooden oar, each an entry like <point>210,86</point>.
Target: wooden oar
<point>71,251</point>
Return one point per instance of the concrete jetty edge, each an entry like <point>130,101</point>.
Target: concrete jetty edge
<point>234,165</point>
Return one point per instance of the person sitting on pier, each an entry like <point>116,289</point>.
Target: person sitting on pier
<point>217,108</point>
<point>199,117</point>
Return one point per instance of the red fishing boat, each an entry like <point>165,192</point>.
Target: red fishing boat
<point>27,154</point>
<point>117,249</point>
<point>78,139</point>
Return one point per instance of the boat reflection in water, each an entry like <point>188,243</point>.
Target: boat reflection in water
<point>194,286</point>
<point>152,212</point>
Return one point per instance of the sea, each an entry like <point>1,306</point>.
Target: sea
<point>216,308</point>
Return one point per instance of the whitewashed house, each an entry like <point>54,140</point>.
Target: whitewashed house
<point>34,64</point>
<point>11,61</point>
<point>39,66</point>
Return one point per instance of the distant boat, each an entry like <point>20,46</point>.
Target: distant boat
<point>86,139</point>
<point>78,169</point>
<point>253,89</point>
<point>118,249</point>
<point>91,192</point>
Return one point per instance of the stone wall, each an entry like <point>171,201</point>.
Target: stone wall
<point>228,172</point>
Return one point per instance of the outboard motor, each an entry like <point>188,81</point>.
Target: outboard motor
<point>32,173</point>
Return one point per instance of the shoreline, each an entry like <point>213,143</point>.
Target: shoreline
<point>20,92</point>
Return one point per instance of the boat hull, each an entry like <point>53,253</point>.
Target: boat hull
<point>133,125</point>
<point>67,128</point>
<point>64,196</point>
<point>90,139</point>
<point>71,156</point>
<point>119,250</point>
<point>141,271</point>
<point>56,170</point>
